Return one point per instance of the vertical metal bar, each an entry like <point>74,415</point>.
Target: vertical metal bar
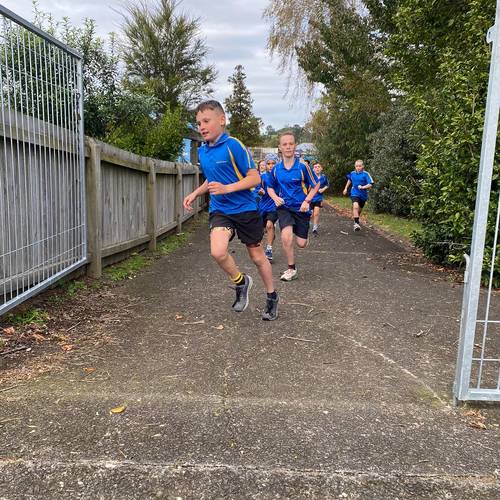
<point>81,159</point>
<point>488,300</point>
<point>11,217</point>
<point>482,203</point>
<point>22,182</point>
<point>3,184</point>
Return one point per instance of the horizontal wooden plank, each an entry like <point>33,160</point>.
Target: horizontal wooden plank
<point>126,245</point>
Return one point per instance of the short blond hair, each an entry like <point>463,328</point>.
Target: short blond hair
<point>359,162</point>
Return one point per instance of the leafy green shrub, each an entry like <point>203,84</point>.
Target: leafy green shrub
<point>392,163</point>
<point>157,137</point>
<point>442,65</point>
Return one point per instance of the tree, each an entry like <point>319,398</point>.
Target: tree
<point>345,56</point>
<point>441,63</point>
<point>164,55</point>
<point>243,124</point>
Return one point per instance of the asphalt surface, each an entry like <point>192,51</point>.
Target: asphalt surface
<point>347,395</point>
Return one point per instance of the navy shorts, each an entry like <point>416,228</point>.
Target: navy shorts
<point>247,225</point>
<point>360,202</point>
<point>299,221</point>
<point>272,216</point>
<point>318,203</point>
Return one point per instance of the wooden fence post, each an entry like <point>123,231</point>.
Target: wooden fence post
<point>196,184</point>
<point>94,209</point>
<point>151,219</point>
<point>179,197</point>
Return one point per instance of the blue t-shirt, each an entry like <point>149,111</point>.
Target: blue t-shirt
<point>228,161</point>
<point>293,184</point>
<point>266,202</point>
<point>359,179</point>
<point>323,182</point>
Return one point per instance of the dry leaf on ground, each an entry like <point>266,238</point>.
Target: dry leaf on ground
<point>218,327</point>
<point>89,369</point>
<point>178,317</point>
<point>9,331</point>
<point>67,347</point>
<point>118,409</point>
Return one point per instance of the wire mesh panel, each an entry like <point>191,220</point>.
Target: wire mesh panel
<point>478,365</point>
<point>42,212</point>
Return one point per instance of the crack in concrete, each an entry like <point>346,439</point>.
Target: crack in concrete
<point>492,478</point>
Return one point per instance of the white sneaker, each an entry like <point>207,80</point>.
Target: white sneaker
<point>356,227</point>
<point>289,275</point>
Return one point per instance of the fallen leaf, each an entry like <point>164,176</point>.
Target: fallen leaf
<point>89,369</point>
<point>118,409</point>
<point>477,424</point>
<point>218,327</point>
<point>343,232</point>
<point>9,331</point>
<point>67,347</point>
<point>38,337</point>
<point>201,322</point>
<point>178,317</point>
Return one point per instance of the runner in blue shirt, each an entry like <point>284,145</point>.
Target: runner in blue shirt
<point>361,182</point>
<point>267,207</point>
<point>293,187</point>
<point>317,201</point>
<point>230,175</point>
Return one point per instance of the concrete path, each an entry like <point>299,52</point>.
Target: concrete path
<point>347,395</point>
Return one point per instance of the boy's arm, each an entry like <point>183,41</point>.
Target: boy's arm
<point>314,184</point>
<point>348,183</point>
<point>325,187</point>
<point>199,191</point>
<point>252,179</point>
<point>369,183</point>
<point>278,201</point>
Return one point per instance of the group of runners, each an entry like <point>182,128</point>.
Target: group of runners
<point>248,203</point>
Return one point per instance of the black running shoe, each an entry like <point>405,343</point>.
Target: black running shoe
<point>271,311</point>
<point>241,302</point>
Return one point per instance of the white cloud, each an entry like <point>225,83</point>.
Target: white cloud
<point>234,31</point>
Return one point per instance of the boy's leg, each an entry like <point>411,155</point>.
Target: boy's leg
<point>287,243</point>
<point>219,243</point>
<point>356,210</point>
<point>270,232</point>
<point>315,218</point>
<point>256,253</point>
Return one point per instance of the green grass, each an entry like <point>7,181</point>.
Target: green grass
<point>397,226</point>
<point>128,268</point>
<point>172,243</point>
<point>28,317</point>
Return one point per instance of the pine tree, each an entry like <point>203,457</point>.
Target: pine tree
<point>243,124</point>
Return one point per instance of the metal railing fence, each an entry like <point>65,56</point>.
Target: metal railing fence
<point>478,364</point>
<point>42,209</point>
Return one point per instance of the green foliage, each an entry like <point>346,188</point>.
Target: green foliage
<point>345,57</point>
<point>441,64</point>
<point>128,268</point>
<point>31,316</point>
<point>392,163</point>
<point>164,55</point>
<point>157,137</point>
<point>243,124</point>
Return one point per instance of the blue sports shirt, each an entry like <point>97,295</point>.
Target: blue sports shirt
<point>227,161</point>
<point>361,179</point>
<point>323,182</point>
<point>266,203</point>
<point>293,184</point>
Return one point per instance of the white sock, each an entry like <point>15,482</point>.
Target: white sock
<point>269,247</point>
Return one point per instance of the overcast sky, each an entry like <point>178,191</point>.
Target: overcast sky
<point>235,33</point>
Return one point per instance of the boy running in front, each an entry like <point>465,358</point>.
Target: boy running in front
<point>230,175</point>
<point>361,182</point>
<point>293,187</point>
<point>317,201</point>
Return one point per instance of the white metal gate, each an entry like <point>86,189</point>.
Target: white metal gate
<point>478,364</point>
<point>42,211</point>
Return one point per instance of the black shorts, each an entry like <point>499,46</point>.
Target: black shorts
<point>360,202</point>
<point>318,203</point>
<point>272,216</point>
<point>299,221</point>
<point>247,225</point>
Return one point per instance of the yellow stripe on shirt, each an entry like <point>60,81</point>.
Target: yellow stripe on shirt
<point>245,149</point>
<point>303,184</point>
<point>236,170</point>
